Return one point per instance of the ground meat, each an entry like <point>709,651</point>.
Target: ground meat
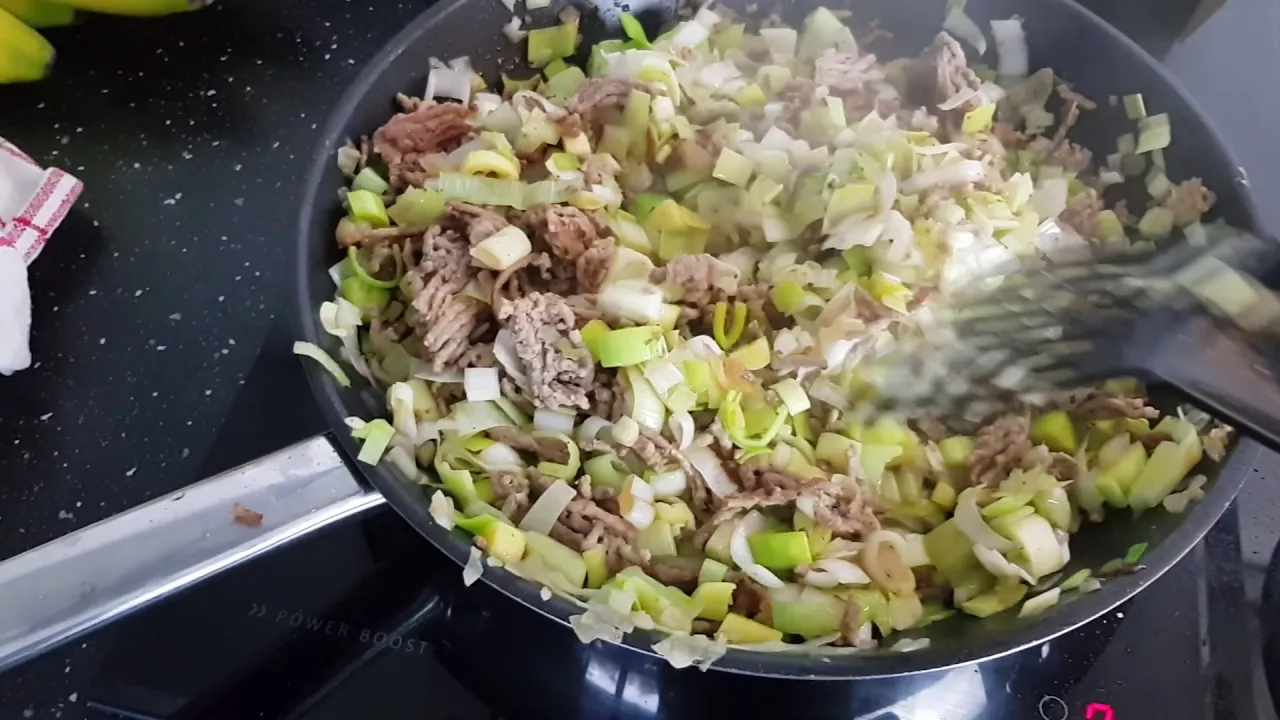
<point>1069,156</point>
<point>843,71</point>
<point>1189,200</point>
<point>524,441</point>
<point>940,73</point>
<point>512,491</point>
<point>602,393</point>
<point>749,598</point>
<point>246,517</point>
<point>427,128</point>
<point>758,475</point>
<point>597,97</point>
<point>566,229</point>
<point>569,125</point>
<point>1081,213</point>
<point>674,571</point>
<point>559,368</point>
<point>1063,466</point>
<point>851,621</point>
<point>843,507</point>
<point>695,276</point>
<point>592,267</point>
<point>657,453</point>
<point>621,554</point>
<point>475,222</point>
<point>443,316</point>
<point>999,448</point>
<point>598,167</point>
<point>1099,406</point>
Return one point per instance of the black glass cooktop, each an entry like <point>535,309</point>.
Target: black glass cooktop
<point>351,623</point>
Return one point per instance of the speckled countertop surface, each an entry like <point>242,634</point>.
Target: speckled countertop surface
<point>152,302</point>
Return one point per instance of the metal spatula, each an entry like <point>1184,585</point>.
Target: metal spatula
<point>1187,315</point>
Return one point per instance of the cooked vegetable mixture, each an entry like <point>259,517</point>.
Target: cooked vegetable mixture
<point>620,310</point>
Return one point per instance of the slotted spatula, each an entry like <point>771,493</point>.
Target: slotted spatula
<point>1187,315</point>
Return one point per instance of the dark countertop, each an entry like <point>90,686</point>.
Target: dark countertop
<point>153,300</point>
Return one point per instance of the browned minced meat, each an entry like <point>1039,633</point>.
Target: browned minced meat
<point>524,441</point>
<point>695,276</point>
<point>756,474</point>
<point>443,316</point>
<point>573,235</point>
<point>657,452</point>
<point>246,517</point>
<point>559,368</point>
<point>843,71</point>
<point>598,96</point>
<point>599,166</point>
<point>1063,467</point>
<point>407,137</point>
<point>999,448</point>
<point>511,488</point>
<point>1189,200</point>
<point>1099,406</point>
<point>851,621</point>
<point>940,73</point>
<point>845,510</point>
<point>674,571</point>
<point>476,223</point>
<point>749,598</point>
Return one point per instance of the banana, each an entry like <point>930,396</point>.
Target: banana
<point>39,13</point>
<point>135,8</point>
<point>24,54</point>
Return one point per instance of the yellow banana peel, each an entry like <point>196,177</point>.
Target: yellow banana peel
<point>40,13</point>
<point>135,8</point>
<point>24,53</point>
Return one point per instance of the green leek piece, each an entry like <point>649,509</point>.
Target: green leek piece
<point>634,30</point>
<point>781,550</point>
<point>754,355</point>
<point>597,562</point>
<point>1055,430</point>
<point>822,31</point>
<point>1134,107</point>
<point>631,346</point>
<point>734,420</point>
<point>1005,595</point>
<point>849,200</point>
<point>569,469</point>
<point>484,491</point>
<point>701,379</point>
<point>417,207</point>
<point>681,399</point>
<point>874,457</point>
<point>802,426</point>
<point>636,116</point>
<point>1003,506</point>
<point>671,216</point>
<point>1075,579</point>
<point>657,539</point>
<point>477,524</point>
<point>712,571</point>
<point>773,78</point>
<point>673,244</point>
<point>668,607</point>
<point>1135,553</point>
<point>978,119</point>
<point>367,207</point>
<point>511,85</point>
<point>591,333</point>
<point>1154,133</point>
<point>858,260</point>
<point>1109,226</point>
<point>788,296</point>
<point>873,606</point>
<point>607,471</point>
<point>752,97</point>
<point>1156,223</point>
<point>643,205</point>
<point>676,514</point>
<point>1055,506</point>
<point>910,486</point>
<point>733,168</point>
<point>714,598</point>
<point>553,43</point>
<point>727,335</point>
<point>555,68</point>
<point>951,552</point>
<point>956,450</point>
<point>457,483</point>
<point>559,558</point>
<point>369,179</point>
<point>891,292</point>
<point>368,298</point>
<point>717,546</point>
<point>1159,477</point>
<point>358,270</point>
<point>615,141</point>
<point>565,83</point>
<point>740,630</point>
<point>680,180</point>
<point>729,38</point>
<point>504,542</point>
<point>1125,472</point>
<point>943,495</point>
<point>812,614</point>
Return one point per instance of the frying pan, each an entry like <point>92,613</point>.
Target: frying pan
<point>97,574</point>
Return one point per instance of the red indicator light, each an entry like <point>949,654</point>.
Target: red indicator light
<point>1098,711</point>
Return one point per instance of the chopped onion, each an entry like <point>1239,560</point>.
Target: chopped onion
<point>500,456</point>
<point>715,75</point>
<point>637,301</point>
<point>1050,197</point>
<point>635,502</point>
<point>590,429</point>
<point>314,352</point>
<point>546,509</point>
<point>969,520</point>
<point>689,35</point>
<point>626,431</point>
<point>963,27</point>
<point>442,510</point>
<point>740,550</point>
<point>682,429</point>
<point>1012,59</point>
<point>400,402</point>
<point>339,318</point>
<point>644,405</point>
<point>683,650</point>
<point>915,554</point>
<point>781,43</point>
<point>841,548</point>
<point>669,484</point>
<point>424,371</point>
<point>909,644</point>
<point>469,418</point>
<point>663,375</point>
<point>512,30</point>
<point>377,436</point>
<point>549,420</point>
<point>474,568</point>
<point>502,249</point>
<point>449,83</point>
<point>1040,603</point>
<point>348,158</point>
<point>882,559</point>
<point>999,565</point>
<point>706,17</point>
<point>1093,584</point>
<point>401,455</point>
<point>830,572</point>
<point>704,460</point>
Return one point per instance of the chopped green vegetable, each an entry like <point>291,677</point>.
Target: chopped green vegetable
<point>714,598</point>
<point>417,207</point>
<point>1135,553</point>
<point>1134,107</point>
<point>314,352</point>
<point>553,43</point>
<point>630,346</point>
<point>1004,596</point>
<point>369,179</point>
<point>1153,133</point>
<point>367,207</point>
<point>554,556</point>
<point>741,630</point>
<point>1056,430</point>
<point>733,168</point>
<point>780,550</point>
<point>597,563</point>
<point>634,30</point>
<point>727,335</point>
<point>1075,579</point>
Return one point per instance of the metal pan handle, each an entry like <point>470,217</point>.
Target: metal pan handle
<point>100,573</point>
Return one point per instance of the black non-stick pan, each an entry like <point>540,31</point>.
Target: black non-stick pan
<point>126,563</point>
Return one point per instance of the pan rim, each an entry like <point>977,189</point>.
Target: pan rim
<point>406,500</point>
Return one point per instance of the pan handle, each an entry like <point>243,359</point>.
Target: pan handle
<point>98,574</point>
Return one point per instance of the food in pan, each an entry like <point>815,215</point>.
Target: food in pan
<point>621,311</point>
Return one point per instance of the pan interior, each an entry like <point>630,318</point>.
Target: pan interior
<point>1094,58</point>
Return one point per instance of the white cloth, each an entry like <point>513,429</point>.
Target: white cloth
<point>33,201</point>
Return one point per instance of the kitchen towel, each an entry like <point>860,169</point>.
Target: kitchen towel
<point>33,201</point>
